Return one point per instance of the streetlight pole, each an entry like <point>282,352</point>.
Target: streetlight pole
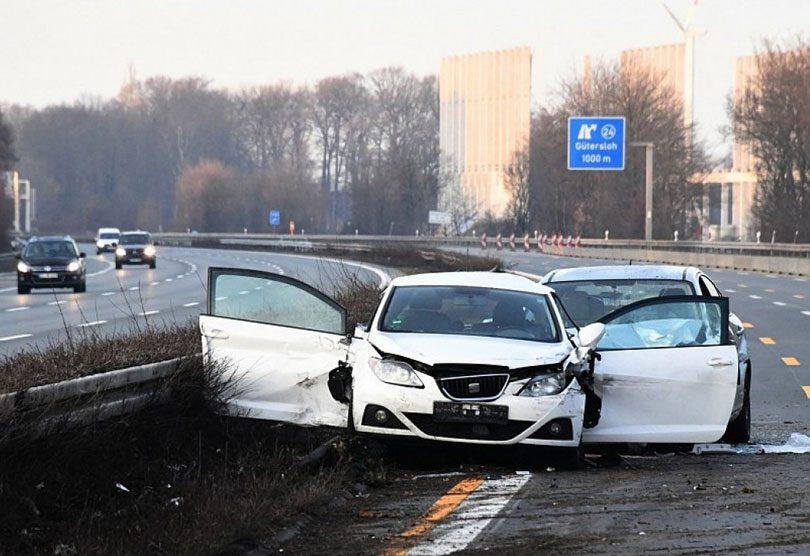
<point>648,187</point>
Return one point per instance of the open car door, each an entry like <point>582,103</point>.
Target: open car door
<point>666,373</point>
<point>274,341</point>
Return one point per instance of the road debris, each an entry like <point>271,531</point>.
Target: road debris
<point>797,443</point>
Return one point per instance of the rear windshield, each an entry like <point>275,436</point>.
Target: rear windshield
<point>50,249</point>
<point>136,239</point>
<point>108,235</point>
<point>470,311</point>
<point>587,301</point>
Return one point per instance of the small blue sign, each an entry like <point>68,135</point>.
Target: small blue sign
<point>274,217</point>
<point>596,143</point>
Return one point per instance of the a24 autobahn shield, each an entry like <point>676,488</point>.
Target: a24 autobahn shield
<point>596,143</point>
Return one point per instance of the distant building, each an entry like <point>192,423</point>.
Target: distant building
<point>485,117</point>
<point>666,61</point>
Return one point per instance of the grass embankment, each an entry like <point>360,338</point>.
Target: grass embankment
<point>176,477</point>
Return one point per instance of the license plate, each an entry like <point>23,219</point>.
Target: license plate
<point>48,275</point>
<point>135,259</point>
<point>470,412</point>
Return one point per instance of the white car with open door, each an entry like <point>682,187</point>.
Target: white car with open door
<point>473,357</point>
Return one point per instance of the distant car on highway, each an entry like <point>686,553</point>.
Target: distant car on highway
<point>588,293</point>
<point>473,357</point>
<point>135,247</point>
<point>51,262</point>
<point>107,239</point>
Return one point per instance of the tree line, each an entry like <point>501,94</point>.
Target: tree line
<point>352,152</point>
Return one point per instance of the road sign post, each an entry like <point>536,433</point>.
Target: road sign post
<point>596,143</point>
<point>274,218</point>
<point>648,187</point>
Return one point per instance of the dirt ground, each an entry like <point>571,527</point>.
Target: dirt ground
<point>679,503</point>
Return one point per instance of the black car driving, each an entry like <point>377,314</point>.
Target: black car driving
<point>135,248</point>
<point>51,262</point>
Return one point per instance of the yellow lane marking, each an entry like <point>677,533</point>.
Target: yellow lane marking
<point>443,507</point>
<point>806,390</point>
<point>791,361</point>
<point>767,341</point>
<point>748,325</point>
<point>798,296</point>
<point>769,290</point>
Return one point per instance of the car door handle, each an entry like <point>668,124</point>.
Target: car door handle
<point>216,334</point>
<point>720,362</point>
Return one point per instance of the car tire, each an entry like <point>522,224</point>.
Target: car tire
<point>99,251</point>
<point>23,290</point>
<point>570,458</point>
<point>118,266</point>
<point>153,264</point>
<point>81,288</point>
<point>739,428</point>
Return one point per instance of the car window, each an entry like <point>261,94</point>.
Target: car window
<point>587,301</point>
<point>269,299</point>
<point>50,249</point>
<point>470,310</point>
<point>136,239</point>
<point>108,235</point>
<point>666,323</point>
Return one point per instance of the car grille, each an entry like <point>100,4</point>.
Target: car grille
<point>472,431</point>
<point>474,387</point>
<point>135,252</point>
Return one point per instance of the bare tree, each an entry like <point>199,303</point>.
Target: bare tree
<point>773,118</point>
<point>516,177</point>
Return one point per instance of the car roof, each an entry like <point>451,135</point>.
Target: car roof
<point>139,232</point>
<point>109,230</point>
<point>50,238</point>
<point>494,280</point>
<point>621,272</point>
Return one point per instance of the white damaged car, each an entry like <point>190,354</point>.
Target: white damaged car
<point>472,357</point>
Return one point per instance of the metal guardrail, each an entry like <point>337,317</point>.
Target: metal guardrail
<point>313,242</point>
<point>80,401</point>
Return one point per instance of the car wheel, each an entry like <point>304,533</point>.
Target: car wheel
<point>739,429</point>
<point>153,264</point>
<point>99,251</point>
<point>571,458</point>
<point>23,290</point>
<point>118,266</point>
<point>81,288</point>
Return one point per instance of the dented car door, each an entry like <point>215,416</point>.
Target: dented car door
<point>666,372</point>
<point>275,341</point>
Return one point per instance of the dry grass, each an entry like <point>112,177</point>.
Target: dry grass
<point>89,353</point>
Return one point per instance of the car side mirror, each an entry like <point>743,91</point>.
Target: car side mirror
<point>590,335</point>
<point>361,330</point>
<point>735,322</point>
<point>82,255</point>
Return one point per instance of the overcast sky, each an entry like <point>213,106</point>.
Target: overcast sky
<point>59,50</point>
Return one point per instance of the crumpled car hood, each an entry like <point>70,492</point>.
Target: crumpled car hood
<point>432,349</point>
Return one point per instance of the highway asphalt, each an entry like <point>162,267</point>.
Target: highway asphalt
<point>119,300</point>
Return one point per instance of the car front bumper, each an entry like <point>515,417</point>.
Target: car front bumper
<point>413,415</point>
<point>59,279</point>
<point>135,259</point>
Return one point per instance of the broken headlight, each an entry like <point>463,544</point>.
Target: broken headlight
<point>395,372</point>
<point>544,385</point>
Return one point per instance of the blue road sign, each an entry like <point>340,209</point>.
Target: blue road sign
<point>274,217</point>
<point>596,143</point>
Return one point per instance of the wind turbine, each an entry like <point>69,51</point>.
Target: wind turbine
<point>689,36</point>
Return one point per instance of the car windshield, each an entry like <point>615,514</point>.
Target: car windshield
<point>108,235</point>
<point>135,239</point>
<point>587,301</point>
<point>58,249</point>
<point>470,311</point>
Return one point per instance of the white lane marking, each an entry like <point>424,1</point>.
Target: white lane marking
<point>148,313</point>
<point>15,309</point>
<point>60,302</point>
<point>471,517</point>
<point>15,337</point>
<point>807,313</point>
<point>154,283</point>
<point>110,266</point>
<point>134,288</point>
<point>779,303</point>
<point>221,298</point>
<point>257,288</point>
<point>8,289</point>
<point>105,294</point>
<point>800,279</point>
<point>755,297</point>
<point>168,280</point>
<point>381,274</point>
<point>244,292</point>
<point>192,304</point>
<point>179,276</point>
<point>91,323</point>
<point>729,290</point>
